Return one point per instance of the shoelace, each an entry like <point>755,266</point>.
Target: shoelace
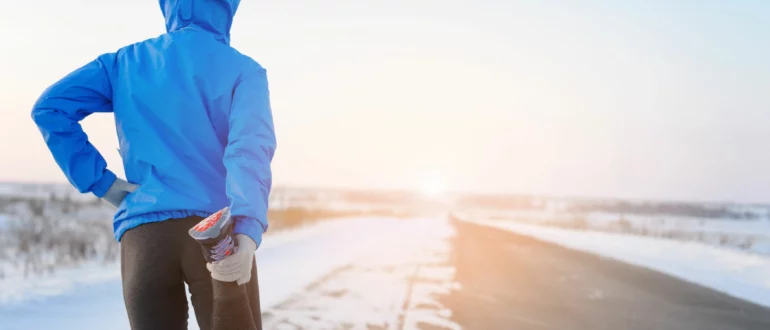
<point>223,248</point>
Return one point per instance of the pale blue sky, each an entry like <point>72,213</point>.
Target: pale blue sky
<point>646,99</point>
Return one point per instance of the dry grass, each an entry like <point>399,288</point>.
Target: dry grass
<point>43,235</point>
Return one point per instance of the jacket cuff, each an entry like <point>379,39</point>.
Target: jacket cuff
<point>249,227</point>
<point>103,184</point>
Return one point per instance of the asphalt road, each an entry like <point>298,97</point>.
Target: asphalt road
<point>512,282</point>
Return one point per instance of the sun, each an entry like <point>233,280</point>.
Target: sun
<point>433,186</point>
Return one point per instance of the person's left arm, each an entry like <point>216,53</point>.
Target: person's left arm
<point>249,153</point>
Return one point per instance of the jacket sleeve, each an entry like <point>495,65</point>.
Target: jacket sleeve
<point>58,113</point>
<point>249,152</point>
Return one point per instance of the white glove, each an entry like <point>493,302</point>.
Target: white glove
<point>118,191</point>
<point>237,267</point>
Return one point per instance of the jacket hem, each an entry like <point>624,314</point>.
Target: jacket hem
<point>124,225</point>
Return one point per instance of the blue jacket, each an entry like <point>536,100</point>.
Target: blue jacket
<point>193,120</point>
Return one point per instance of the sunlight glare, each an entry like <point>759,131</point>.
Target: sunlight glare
<point>433,186</point>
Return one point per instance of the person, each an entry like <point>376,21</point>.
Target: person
<point>196,135</point>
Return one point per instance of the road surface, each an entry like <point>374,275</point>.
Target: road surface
<point>511,281</point>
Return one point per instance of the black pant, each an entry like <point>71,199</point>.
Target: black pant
<point>156,259</point>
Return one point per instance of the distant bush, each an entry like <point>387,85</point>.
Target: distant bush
<point>295,217</point>
<point>579,222</point>
<point>44,234</point>
<point>622,225</point>
<point>698,210</point>
<point>292,217</point>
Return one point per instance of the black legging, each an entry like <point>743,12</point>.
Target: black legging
<point>233,309</point>
<point>157,259</point>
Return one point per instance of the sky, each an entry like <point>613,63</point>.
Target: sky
<point>631,99</point>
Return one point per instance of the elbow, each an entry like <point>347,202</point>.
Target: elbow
<point>47,113</point>
<point>38,113</point>
<point>262,154</point>
<point>40,110</point>
<point>253,146</point>
<point>45,119</point>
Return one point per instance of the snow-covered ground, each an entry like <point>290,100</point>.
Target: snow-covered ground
<point>390,283</point>
<point>355,273</point>
<point>737,273</point>
<point>52,227</point>
<point>747,235</point>
<point>751,235</point>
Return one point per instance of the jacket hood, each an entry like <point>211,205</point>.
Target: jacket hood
<point>214,16</point>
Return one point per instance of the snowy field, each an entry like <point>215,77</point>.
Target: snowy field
<point>736,273</point>
<point>51,227</point>
<point>365,272</point>
<point>359,273</point>
<point>751,235</point>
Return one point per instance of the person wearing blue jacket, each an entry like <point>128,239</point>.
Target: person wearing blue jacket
<point>196,134</point>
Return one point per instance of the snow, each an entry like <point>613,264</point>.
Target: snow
<point>392,284</point>
<point>289,264</point>
<point>57,235</point>
<point>740,234</point>
<point>15,289</point>
<point>380,271</point>
<point>736,273</point>
<point>720,225</point>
